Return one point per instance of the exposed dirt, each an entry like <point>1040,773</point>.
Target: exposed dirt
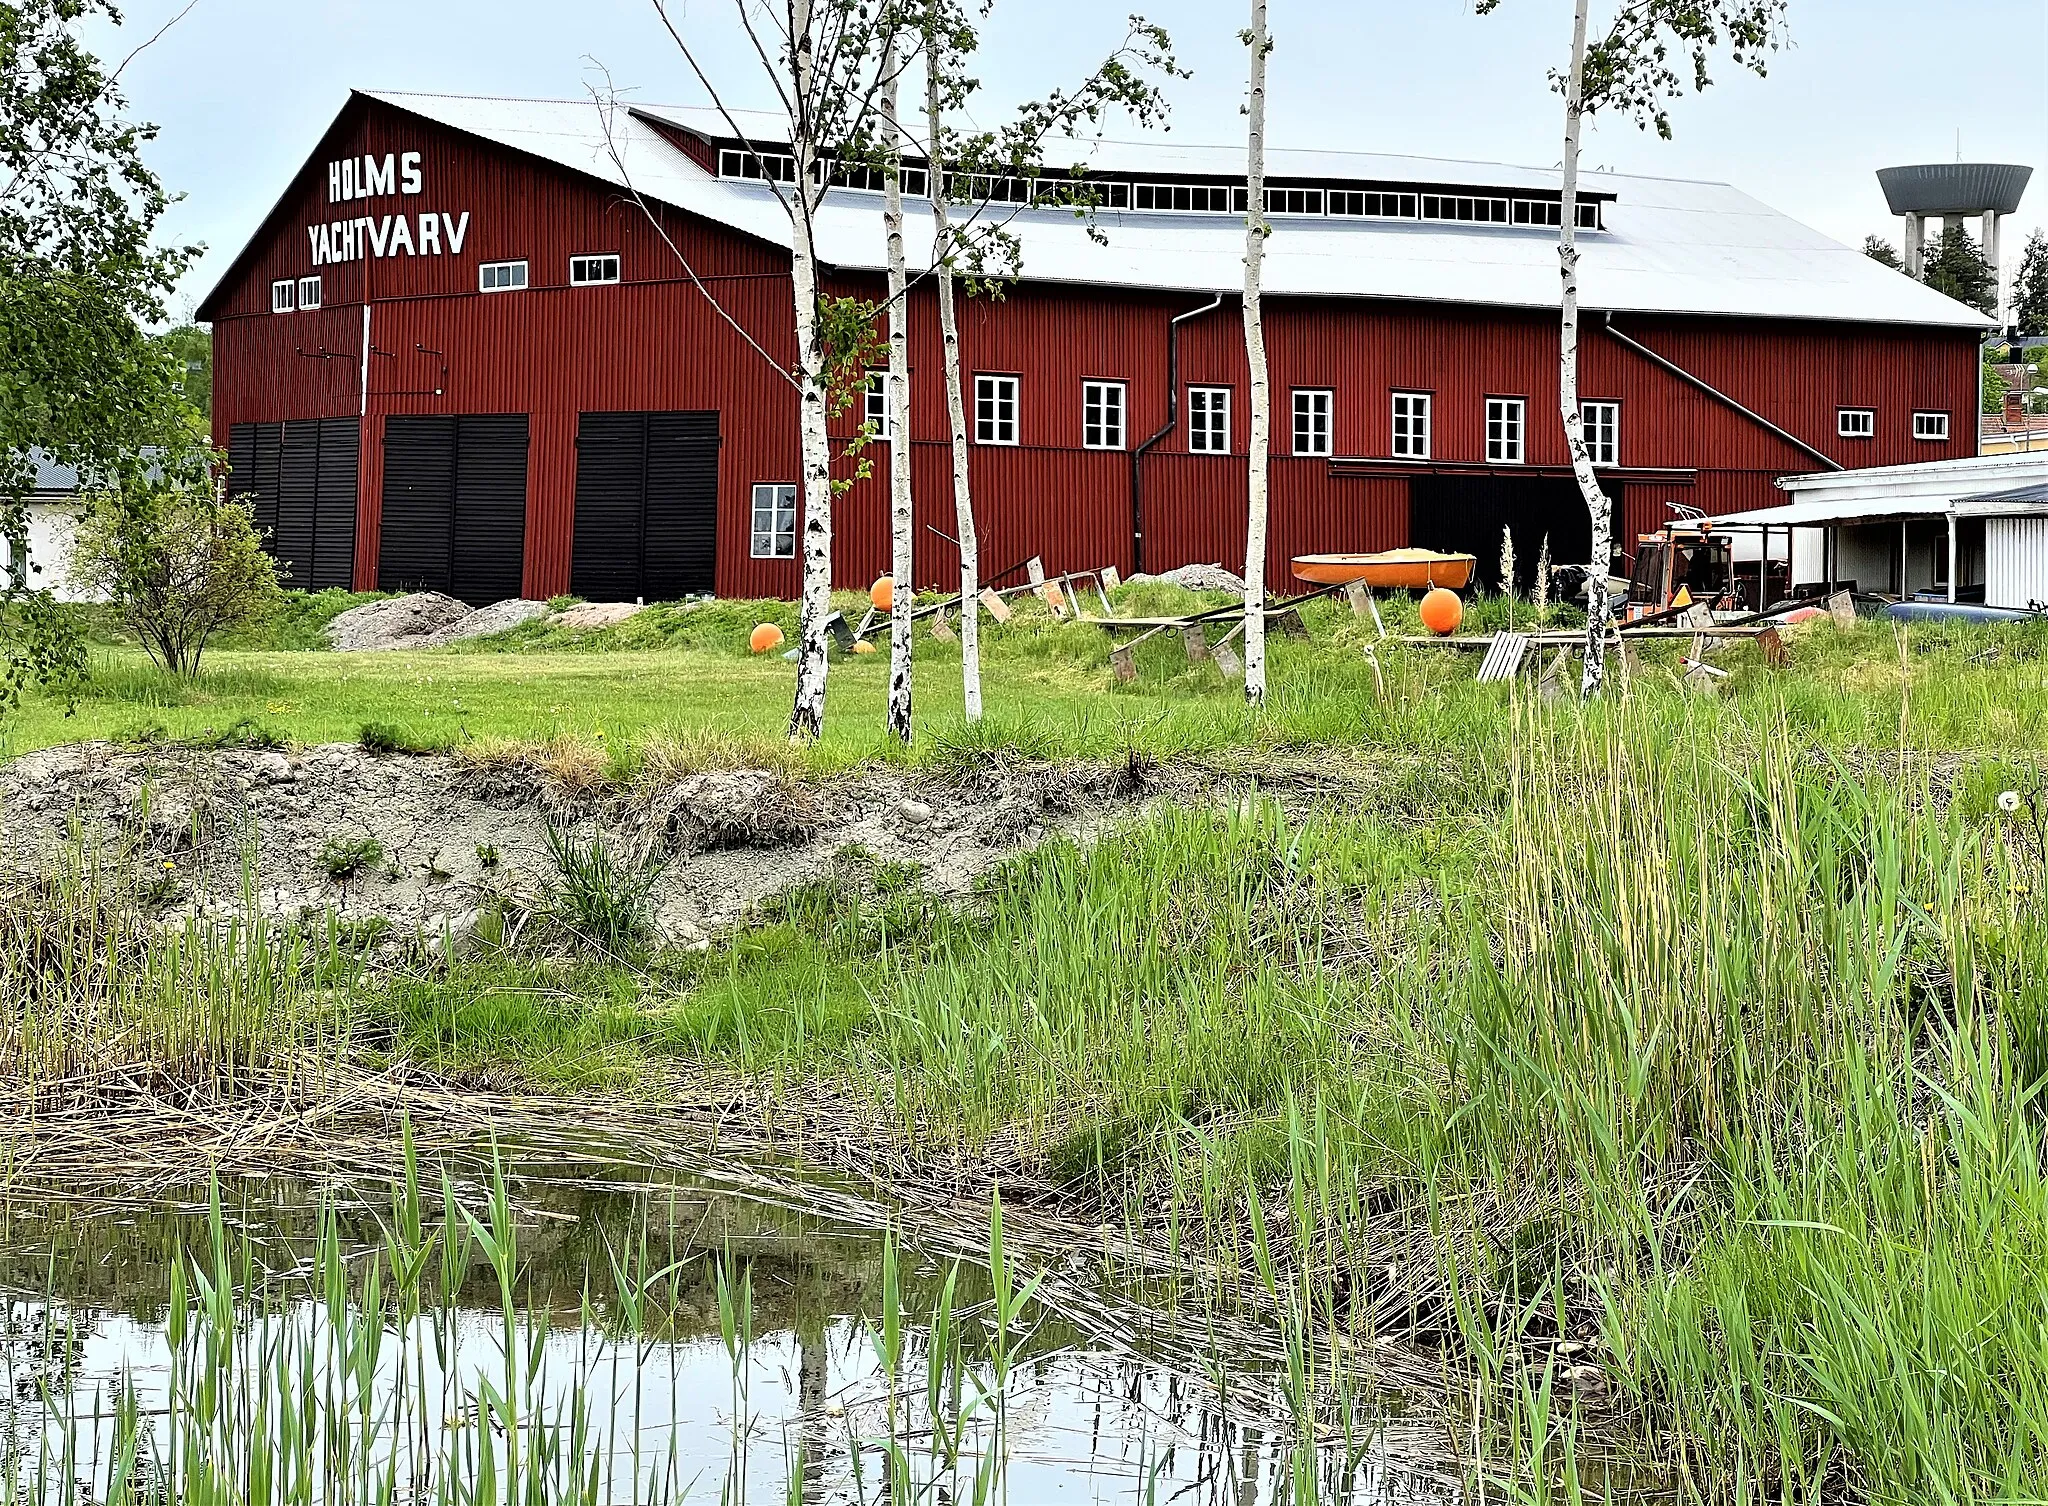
<point>427,844</point>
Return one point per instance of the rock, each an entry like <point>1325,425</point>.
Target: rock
<point>597,614</point>
<point>1586,1379</point>
<point>388,624</point>
<point>914,812</point>
<point>274,768</point>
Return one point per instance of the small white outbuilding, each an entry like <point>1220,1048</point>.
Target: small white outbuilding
<point>1970,530</point>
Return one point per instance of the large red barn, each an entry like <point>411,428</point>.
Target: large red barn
<point>516,347</point>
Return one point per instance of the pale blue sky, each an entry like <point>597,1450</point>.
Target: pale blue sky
<point>243,88</point>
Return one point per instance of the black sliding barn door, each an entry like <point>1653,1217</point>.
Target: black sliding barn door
<point>454,515</point>
<point>646,506</point>
<point>299,480</point>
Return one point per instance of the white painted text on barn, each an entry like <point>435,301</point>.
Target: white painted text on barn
<point>361,237</point>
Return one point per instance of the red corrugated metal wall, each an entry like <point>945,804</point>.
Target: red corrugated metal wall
<point>657,342</point>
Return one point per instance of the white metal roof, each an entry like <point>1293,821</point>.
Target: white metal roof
<point>1670,246</point>
<point>1975,486</point>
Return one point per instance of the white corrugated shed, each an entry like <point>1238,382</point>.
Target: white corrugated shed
<point>2016,562</point>
<point>1670,246</point>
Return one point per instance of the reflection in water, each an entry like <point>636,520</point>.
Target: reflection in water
<point>561,1344</point>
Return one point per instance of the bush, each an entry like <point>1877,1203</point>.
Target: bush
<point>180,562</point>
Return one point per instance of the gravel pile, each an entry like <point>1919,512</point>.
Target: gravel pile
<point>1195,578</point>
<point>424,619</point>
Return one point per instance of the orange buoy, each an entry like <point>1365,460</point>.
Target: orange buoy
<point>1442,611</point>
<point>863,647</point>
<point>883,594</point>
<point>765,637</point>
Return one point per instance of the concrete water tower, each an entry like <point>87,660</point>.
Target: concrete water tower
<point>1953,191</point>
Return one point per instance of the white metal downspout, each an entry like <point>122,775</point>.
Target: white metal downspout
<point>364,410</point>
<point>1951,554</point>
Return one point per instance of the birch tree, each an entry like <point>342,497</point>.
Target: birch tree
<point>827,61</point>
<point>971,239</point>
<point>1259,465</point>
<point>902,542</point>
<point>1632,71</point>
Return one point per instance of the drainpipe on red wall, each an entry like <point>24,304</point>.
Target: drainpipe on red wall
<point>1172,417</point>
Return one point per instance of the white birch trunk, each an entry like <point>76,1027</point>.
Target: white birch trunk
<point>956,416</point>
<point>901,523</point>
<point>1260,441</point>
<point>1597,611</point>
<point>807,716</point>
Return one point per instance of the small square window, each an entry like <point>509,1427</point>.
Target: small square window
<point>995,410</point>
<point>501,276</point>
<point>1930,426</point>
<point>1312,421</point>
<point>875,406</point>
<point>309,292</point>
<point>284,296</point>
<point>1102,415</point>
<point>1209,420</point>
<point>1601,425</point>
<point>1856,423</point>
<point>774,522</point>
<point>589,271</point>
<point>1411,425</point>
<point>1504,424</point>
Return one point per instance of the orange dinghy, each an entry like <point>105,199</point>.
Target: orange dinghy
<point>1391,570</point>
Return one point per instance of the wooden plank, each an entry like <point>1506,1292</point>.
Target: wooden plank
<point>1772,644</point>
<point>1842,607</point>
<point>1359,597</point>
<point>995,606</point>
<point>1195,638</point>
<point>1124,662</point>
<point>842,632</point>
<point>1288,620</point>
<point>943,630</point>
<point>1227,660</point>
<point>1109,578</point>
<point>1034,571</point>
<point>1504,659</point>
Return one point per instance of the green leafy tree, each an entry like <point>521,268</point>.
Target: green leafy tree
<point>2030,287</point>
<point>179,560</point>
<point>1879,250</point>
<point>81,281</point>
<point>191,346</point>
<point>1994,389</point>
<point>1958,268</point>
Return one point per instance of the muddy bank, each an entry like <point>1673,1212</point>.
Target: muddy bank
<point>426,844</point>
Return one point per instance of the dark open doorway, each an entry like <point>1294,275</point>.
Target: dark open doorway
<point>1465,515</point>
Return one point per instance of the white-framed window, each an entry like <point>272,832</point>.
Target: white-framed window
<point>1209,420</point>
<point>284,295</point>
<point>1504,425</point>
<point>309,292</point>
<point>1411,425</point>
<point>774,521</point>
<point>1600,422</point>
<point>1186,198</point>
<point>1930,426</point>
<point>589,271</point>
<point>1312,420</point>
<point>876,408</point>
<point>773,167</point>
<point>995,410</point>
<point>500,276</point>
<point>1102,415</point>
<point>1856,423</point>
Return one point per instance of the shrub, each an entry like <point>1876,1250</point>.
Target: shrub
<point>179,561</point>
